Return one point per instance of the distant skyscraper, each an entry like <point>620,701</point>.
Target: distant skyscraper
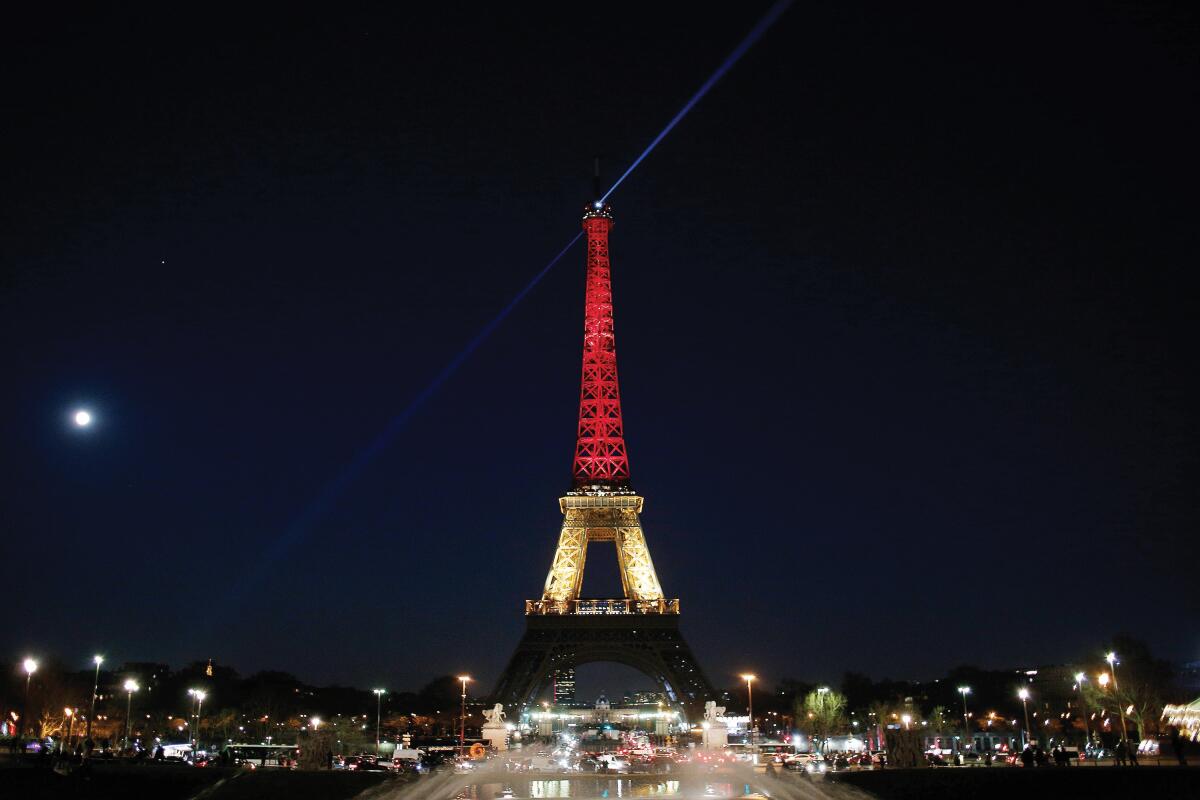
<point>564,686</point>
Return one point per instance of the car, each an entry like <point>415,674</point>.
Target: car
<point>818,766</point>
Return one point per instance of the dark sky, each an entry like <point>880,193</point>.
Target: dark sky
<point>905,321</point>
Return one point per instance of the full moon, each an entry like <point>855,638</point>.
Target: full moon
<point>83,419</point>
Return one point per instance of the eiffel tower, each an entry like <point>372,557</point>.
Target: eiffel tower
<point>641,629</point>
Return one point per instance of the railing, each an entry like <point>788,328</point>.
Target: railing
<point>600,607</point>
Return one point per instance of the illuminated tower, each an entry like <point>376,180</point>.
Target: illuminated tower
<point>641,628</point>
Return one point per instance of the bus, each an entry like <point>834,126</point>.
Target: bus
<point>260,755</point>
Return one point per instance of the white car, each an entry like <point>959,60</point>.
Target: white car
<point>614,762</point>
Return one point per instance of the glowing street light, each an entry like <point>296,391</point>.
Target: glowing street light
<point>131,686</point>
<point>1024,695</point>
<point>97,660</point>
<point>1080,677</point>
<point>65,744</point>
<point>30,667</point>
<point>82,418</point>
<point>906,719</point>
<point>462,716</point>
<point>379,693</point>
<point>1111,658</point>
<point>749,678</point>
<point>964,691</point>
<point>198,695</point>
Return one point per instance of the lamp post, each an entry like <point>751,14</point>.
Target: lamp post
<point>821,692</point>
<point>200,695</point>
<point>462,716</point>
<point>97,660</point>
<point>1024,695</point>
<point>749,678</point>
<point>1111,658</point>
<point>192,723</point>
<point>964,691</point>
<point>378,709</point>
<point>30,668</point>
<point>66,742</point>
<point>131,686</point>
<point>1087,730</point>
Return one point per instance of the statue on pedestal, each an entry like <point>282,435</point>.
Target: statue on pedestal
<point>716,732</point>
<point>494,730</point>
<point>496,715</point>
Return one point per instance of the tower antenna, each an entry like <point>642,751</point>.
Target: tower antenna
<point>596,180</point>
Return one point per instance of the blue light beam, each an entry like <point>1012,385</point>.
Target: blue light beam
<point>756,33</point>
<point>333,490</point>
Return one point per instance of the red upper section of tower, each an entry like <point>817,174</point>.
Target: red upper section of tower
<point>600,457</point>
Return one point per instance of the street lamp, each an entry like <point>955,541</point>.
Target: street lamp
<point>131,686</point>
<point>1111,658</point>
<point>462,717</point>
<point>30,668</point>
<point>964,691</point>
<point>66,742</point>
<point>198,695</point>
<point>906,719</point>
<point>749,679</point>
<point>378,708</point>
<point>97,660</point>
<point>1024,695</point>
<point>1080,677</point>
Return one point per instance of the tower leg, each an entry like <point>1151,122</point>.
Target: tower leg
<point>650,643</point>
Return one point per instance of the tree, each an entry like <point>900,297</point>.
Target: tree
<point>941,720</point>
<point>1138,691</point>
<point>823,712</point>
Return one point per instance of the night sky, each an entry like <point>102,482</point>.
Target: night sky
<point>905,324</point>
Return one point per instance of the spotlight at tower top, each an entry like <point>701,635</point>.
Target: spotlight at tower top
<point>82,418</point>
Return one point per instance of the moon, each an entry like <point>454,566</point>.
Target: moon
<point>83,418</point>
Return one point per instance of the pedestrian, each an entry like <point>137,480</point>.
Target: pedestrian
<point>1131,748</point>
<point>1119,754</point>
<point>1027,756</point>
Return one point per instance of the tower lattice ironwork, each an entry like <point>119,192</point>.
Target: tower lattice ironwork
<point>640,629</point>
<point>600,455</point>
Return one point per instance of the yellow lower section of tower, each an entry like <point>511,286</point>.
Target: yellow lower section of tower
<point>602,518</point>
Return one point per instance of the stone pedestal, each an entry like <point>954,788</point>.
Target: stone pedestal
<point>496,735</point>
<point>716,736</point>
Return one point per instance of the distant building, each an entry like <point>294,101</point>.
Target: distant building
<point>643,698</point>
<point>564,687</point>
<point>590,721</point>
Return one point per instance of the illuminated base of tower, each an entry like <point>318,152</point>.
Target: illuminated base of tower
<point>651,643</point>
